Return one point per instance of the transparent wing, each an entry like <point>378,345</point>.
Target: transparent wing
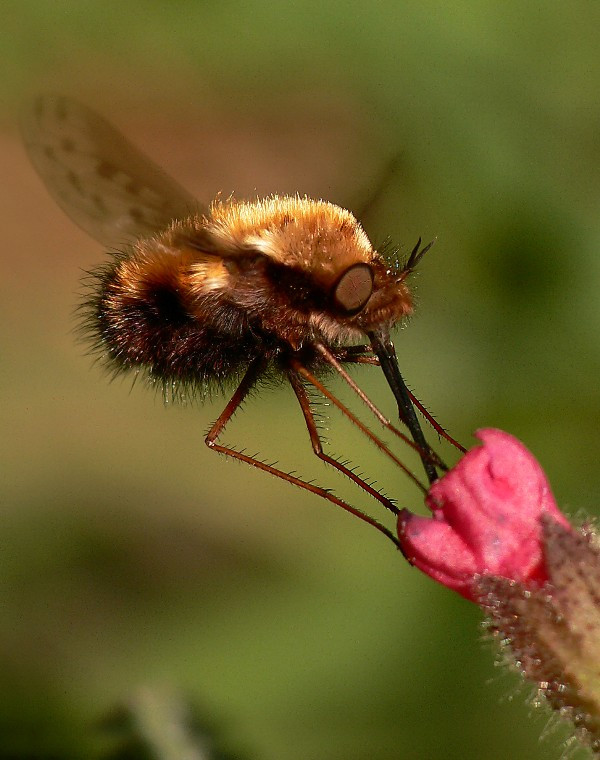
<point>108,187</point>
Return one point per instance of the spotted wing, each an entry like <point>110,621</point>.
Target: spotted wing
<point>108,187</point>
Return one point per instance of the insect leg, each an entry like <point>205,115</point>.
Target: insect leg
<point>435,424</point>
<point>307,375</point>
<point>317,446</point>
<point>384,349</point>
<point>360,355</point>
<point>335,364</point>
<point>234,403</point>
<point>357,355</point>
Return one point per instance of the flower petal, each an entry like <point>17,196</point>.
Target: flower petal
<point>485,520</point>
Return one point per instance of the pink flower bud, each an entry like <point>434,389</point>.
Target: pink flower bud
<point>497,537</point>
<point>486,518</point>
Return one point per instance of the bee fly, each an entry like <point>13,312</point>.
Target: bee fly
<point>239,290</point>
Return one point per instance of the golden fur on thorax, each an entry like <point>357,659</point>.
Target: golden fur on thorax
<point>247,277</point>
<point>313,235</point>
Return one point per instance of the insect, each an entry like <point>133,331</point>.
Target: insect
<point>280,287</point>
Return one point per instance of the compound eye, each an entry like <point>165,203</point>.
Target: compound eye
<point>354,288</point>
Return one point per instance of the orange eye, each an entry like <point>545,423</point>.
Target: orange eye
<point>354,288</point>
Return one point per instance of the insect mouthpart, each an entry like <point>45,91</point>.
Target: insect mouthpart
<point>383,348</point>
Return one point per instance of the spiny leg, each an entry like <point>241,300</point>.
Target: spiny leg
<point>360,355</point>
<point>357,355</point>
<point>435,424</point>
<point>317,446</point>
<point>245,386</point>
<point>334,362</point>
<point>307,375</point>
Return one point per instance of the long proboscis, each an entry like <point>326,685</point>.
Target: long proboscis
<point>383,348</point>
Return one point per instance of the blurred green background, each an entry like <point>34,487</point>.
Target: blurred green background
<point>132,558</point>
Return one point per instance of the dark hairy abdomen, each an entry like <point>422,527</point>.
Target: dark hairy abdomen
<point>151,328</point>
<point>154,330</point>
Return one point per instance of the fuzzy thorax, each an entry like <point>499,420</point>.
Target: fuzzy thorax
<point>262,278</point>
